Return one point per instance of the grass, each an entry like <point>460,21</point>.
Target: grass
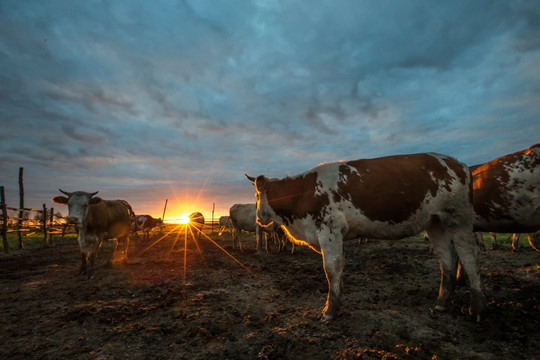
<point>35,240</point>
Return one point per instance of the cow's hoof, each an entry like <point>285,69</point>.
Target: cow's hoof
<point>437,309</point>
<point>325,318</point>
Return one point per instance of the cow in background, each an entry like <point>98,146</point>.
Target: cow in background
<point>534,240</point>
<point>385,198</point>
<point>243,218</point>
<point>96,220</point>
<point>225,223</point>
<point>145,223</point>
<point>506,193</point>
<point>196,220</point>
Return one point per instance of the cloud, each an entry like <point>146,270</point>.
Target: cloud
<point>156,95</point>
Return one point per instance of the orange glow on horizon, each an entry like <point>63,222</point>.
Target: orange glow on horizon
<point>182,219</point>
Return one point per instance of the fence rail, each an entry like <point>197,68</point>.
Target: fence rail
<point>48,223</point>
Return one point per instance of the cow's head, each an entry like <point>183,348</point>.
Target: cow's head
<point>265,214</point>
<point>78,203</point>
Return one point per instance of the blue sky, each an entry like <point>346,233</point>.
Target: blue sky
<point>154,100</point>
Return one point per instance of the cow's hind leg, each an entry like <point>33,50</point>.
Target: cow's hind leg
<point>332,251</point>
<point>448,259</point>
<point>467,251</point>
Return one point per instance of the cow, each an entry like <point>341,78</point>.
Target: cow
<point>225,223</point>
<point>243,218</point>
<point>391,197</point>
<point>506,193</point>
<point>145,223</point>
<point>95,220</point>
<point>196,220</point>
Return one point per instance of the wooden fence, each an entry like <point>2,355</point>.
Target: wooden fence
<point>48,223</point>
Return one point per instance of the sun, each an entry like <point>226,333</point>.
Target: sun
<point>183,219</point>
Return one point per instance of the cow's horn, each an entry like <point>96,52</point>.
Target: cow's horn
<point>92,194</point>
<point>65,192</point>
<point>252,179</point>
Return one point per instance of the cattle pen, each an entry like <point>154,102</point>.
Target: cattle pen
<point>44,220</point>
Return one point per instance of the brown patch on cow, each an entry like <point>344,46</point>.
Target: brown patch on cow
<point>295,198</point>
<point>492,183</point>
<point>111,216</point>
<point>392,189</point>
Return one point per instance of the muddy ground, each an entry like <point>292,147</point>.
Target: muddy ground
<point>148,309</point>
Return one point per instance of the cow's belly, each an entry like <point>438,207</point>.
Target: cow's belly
<point>359,225</point>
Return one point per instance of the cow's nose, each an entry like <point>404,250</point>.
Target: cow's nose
<point>72,220</point>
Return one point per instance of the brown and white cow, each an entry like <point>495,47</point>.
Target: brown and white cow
<point>96,220</point>
<point>384,198</point>
<point>145,223</point>
<point>506,193</point>
<point>196,220</point>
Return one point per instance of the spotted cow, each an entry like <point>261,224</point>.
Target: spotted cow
<point>96,220</point>
<point>145,223</point>
<point>506,193</point>
<point>384,198</point>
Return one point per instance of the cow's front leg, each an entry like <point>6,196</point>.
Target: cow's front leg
<point>332,252</point>
<point>83,268</point>
<point>92,256</point>
<point>442,244</point>
<point>124,249</point>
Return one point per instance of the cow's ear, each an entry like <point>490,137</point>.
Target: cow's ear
<point>60,200</point>
<point>95,200</point>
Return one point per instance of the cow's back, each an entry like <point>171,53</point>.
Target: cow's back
<point>507,192</point>
<point>389,197</point>
<point>113,217</point>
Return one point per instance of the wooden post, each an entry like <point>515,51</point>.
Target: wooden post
<point>44,219</point>
<point>213,208</point>
<point>51,219</point>
<point>21,209</point>
<point>164,208</point>
<point>4,218</point>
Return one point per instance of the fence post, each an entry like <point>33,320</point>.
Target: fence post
<point>4,218</point>
<point>51,219</point>
<point>213,208</point>
<point>21,207</point>
<point>44,225</point>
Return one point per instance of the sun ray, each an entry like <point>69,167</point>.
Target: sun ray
<point>190,226</point>
<point>158,240</point>
<point>175,241</point>
<point>231,256</point>
<point>185,255</point>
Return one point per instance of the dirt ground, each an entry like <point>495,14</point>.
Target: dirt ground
<point>266,308</point>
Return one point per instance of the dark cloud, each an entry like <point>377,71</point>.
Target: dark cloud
<point>146,100</point>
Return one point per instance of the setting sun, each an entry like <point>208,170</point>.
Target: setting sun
<point>184,219</point>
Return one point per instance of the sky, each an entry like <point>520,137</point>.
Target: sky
<point>150,101</point>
